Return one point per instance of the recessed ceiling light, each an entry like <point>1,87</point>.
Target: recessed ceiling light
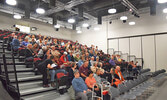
<point>162,1</point>
<point>11,2</point>
<point>57,26</point>
<point>85,25</point>
<point>123,18</point>
<point>17,16</point>
<point>40,10</point>
<point>96,29</point>
<point>132,23</point>
<point>71,20</point>
<point>79,31</point>
<point>112,10</point>
<point>165,10</point>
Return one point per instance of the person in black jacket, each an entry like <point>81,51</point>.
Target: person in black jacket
<point>29,52</point>
<point>10,40</point>
<point>71,72</point>
<point>42,68</point>
<point>113,78</point>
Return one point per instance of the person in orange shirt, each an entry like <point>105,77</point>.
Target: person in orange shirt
<point>91,82</point>
<point>118,72</point>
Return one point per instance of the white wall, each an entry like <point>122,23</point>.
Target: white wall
<point>6,22</point>
<point>146,24</point>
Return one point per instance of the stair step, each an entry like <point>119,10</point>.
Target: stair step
<point>23,79</point>
<point>39,89</point>
<point>51,95</point>
<point>20,70</point>
<point>28,85</point>
<point>23,74</point>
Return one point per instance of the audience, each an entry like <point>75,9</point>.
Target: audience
<point>83,70</point>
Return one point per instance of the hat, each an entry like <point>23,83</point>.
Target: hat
<point>53,65</point>
<point>65,53</point>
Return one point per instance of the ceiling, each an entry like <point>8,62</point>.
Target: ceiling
<point>65,9</point>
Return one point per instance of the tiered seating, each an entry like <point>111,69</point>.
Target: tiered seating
<point>30,85</point>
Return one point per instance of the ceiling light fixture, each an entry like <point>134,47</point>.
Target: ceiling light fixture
<point>85,25</point>
<point>162,1</point>
<point>71,20</point>
<point>112,11</point>
<point>17,16</point>
<point>11,2</point>
<point>40,10</point>
<point>123,18</point>
<point>132,23</point>
<point>96,29</point>
<point>57,26</point>
<point>165,10</point>
<point>79,31</point>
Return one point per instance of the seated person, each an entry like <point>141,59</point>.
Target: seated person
<point>94,67</point>
<point>29,52</point>
<point>70,56</point>
<point>92,60</point>
<point>54,52</point>
<point>81,61</point>
<point>47,54</point>
<point>83,70</point>
<point>15,43</point>
<point>80,88</point>
<point>64,58</point>
<point>91,82</point>
<point>25,42</point>
<point>35,48</point>
<point>77,57</point>
<point>113,78</point>
<point>119,73</point>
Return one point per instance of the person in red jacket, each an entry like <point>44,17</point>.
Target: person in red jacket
<point>64,59</point>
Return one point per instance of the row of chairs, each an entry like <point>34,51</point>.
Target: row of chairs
<point>137,89</point>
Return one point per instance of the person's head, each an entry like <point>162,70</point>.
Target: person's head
<point>65,53</point>
<point>45,42</point>
<point>90,74</point>
<point>95,64</point>
<point>112,70</point>
<point>26,39</point>
<point>44,48</point>
<point>74,65</point>
<point>86,63</point>
<point>53,48</point>
<point>92,58</point>
<point>76,73</point>
<point>98,72</point>
<point>118,68</point>
<point>35,45</point>
<point>77,54</point>
<point>82,58</point>
<point>87,54</point>
<point>13,34</point>
<point>87,58</point>
<point>101,64</point>
<point>97,59</point>
<point>29,46</point>
<point>48,52</point>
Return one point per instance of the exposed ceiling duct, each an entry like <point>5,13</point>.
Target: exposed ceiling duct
<point>129,5</point>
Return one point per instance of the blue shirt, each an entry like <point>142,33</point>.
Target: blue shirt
<point>80,63</point>
<point>24,43</point>
<point>79,85</point>
<point>69,57</point>
<point>112,62</point>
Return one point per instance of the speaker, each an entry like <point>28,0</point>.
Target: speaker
<point>99,19</point>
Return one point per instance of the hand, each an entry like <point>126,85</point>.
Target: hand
<point>84,91</point>
<point>89,90</point>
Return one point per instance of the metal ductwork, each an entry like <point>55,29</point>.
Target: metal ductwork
<point>129,5</point>
<point>152,7</point>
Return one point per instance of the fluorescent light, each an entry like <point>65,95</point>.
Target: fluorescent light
<point>40,10</point>
<point>162,1</point>
<point>132,23</point>
<point>96,29</point>
<point>71,20</point>
<point>57,26</point>
<point>123,18</point>
<point>165,10</point>
<point>85,25</point>
<point>112,10</point>
<point>17,16</point>
<point>79,31</point>
<point>11,2</point>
